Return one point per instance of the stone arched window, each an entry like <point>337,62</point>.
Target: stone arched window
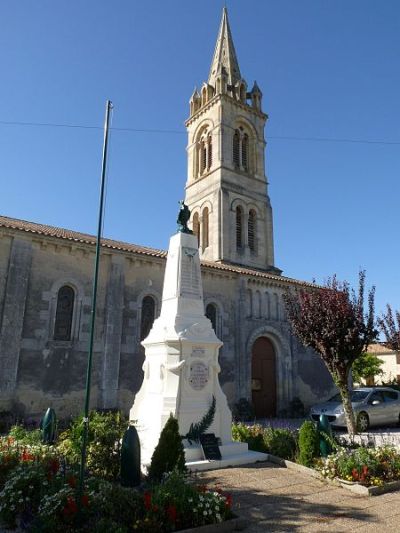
<point>204,153</point>
<point>241,149</point>
<point>196,227</point>
<point>245,151</point>
<point>239,227</point>
<point>147,316</point>
<point>211,314</point>
<point>64,313</point>
<point>209,152</point>
<point>236,149</point>
<point>205,224</point>
<point>251,230</point>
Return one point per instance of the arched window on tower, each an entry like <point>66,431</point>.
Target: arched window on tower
<point>251,230</point>
<point>241,150</point>
<point>205,228</point>
<point>236,149</point>
<point>245,151</point>
<point>196,227</point>
<point>64,313</point>
<point>239,227</point>
<point>147,317</point>
<point>211,314</point>
<point>209,150</point>
<point>203,157</point>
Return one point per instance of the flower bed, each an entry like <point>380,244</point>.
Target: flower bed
<point>366,466</point>
<point>39,493</point>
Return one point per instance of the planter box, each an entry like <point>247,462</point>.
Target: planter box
<point>234,524</point>
<point>348,485</point>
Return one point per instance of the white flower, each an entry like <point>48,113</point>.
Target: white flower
<point>205,513</point>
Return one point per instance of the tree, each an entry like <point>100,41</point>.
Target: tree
<point>391,330</point>
<point>331,320</point>
<point>367,366</point>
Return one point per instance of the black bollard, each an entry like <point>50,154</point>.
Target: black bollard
<point>130,458</point>
<point>48,426</point>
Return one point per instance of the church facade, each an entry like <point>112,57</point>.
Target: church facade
<point>46,279</point>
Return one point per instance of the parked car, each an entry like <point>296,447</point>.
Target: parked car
<point>372,406</point>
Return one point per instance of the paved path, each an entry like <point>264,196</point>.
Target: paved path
<point>271,498</point>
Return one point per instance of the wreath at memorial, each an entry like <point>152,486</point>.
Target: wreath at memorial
<point>201,427</point>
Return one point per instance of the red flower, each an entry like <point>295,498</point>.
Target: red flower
<point>354,473</point>
<point>54,466</point>
<point>171,512</point>
<point>85,500</point>
<point>228,501</point>
<point>71,481</point>
<point>147,500</point>
<point>365,470</point>
<point>26,456</point>
<point>72,505</point>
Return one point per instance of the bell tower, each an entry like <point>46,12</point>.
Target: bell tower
<point>226,188</point>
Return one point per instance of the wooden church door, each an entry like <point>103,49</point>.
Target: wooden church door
<point>263,378</point>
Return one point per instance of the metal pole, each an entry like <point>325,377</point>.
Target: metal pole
<point>94,298</point>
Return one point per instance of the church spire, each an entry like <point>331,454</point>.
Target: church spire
<point>224,55</point>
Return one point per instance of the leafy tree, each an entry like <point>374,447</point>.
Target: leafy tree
<point>389,323</point>
<point>367,366</point>
<point>331,320</point>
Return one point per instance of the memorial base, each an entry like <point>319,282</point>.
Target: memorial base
<point>233,454</point>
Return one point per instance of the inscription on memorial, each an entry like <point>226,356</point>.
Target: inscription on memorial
<point>190,274</point>
<point>199,375</point>
<point>198,351</point>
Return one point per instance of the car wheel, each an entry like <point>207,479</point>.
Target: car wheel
<point>362,421</point>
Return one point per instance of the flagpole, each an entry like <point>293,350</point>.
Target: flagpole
<point>109,107</point>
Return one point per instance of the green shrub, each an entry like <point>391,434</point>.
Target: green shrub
<point>308,443</point>
<point>253,435</point>
<point>169,453</point>
<point>25,436</point>
<point>280,442</point>
<point>104,443</point>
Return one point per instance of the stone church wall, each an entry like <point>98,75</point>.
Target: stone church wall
<point>50,372</point>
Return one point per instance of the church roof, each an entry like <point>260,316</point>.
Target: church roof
<point>85,238</point>
<point>224,54</point>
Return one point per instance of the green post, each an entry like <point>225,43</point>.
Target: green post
<point>48,426</point>
<point>94,298</point>
<point>325,430</point>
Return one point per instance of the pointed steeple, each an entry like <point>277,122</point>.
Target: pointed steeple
<point>224,60</point>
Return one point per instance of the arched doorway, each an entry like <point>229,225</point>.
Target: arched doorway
<point>263,378</point>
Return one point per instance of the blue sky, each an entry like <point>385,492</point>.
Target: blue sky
<point>327,69</point>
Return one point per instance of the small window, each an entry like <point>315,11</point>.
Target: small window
<point>239,227</point>
<point>211,314</point>
<point>245,150</point>
<point>64,313</point>
<point>205,228</point>
<point>196,227</point>
<point>210,154</point>
<point>252,230</point>
<point>203,157</point>
<point>236,149</point>
<point>147,317</point>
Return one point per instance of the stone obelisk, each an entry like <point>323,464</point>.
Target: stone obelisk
<point>181,363</point>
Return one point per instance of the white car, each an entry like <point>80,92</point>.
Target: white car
<point>372,406</point>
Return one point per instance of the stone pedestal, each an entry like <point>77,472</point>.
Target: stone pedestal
<point>181,366</point>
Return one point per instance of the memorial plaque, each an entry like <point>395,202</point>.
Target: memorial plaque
<point>209,445</point>
<point>190,274</point>
<point>199,375</point>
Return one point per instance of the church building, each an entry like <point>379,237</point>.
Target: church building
<point>46,279</point>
